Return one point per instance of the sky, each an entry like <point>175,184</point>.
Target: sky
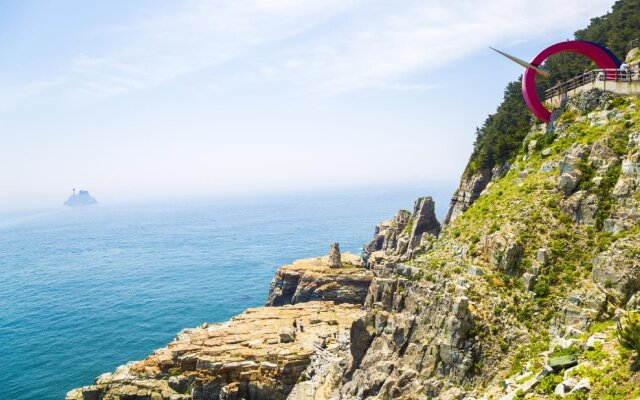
<point>143,99</point>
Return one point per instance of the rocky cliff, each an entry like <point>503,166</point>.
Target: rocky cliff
<point>516,296</point>
<point>256,355</point>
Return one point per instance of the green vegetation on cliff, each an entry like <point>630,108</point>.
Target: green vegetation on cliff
<point>556,256</point>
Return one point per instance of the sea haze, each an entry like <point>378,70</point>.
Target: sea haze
<point>85,290</point>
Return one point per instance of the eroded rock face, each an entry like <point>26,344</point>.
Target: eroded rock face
<point>589,100</point>
<point>400,237</point>
<point>470,188</point>
<point>620,173</point>
<point>243,358</point>
<point>626,214</point>
<point>325,374</point>
<point>581,206</point>
<point>501,251</point>
<point>424,221</point>
<point>313,279</point>
<point>570,172</point>
<point>413,335</point>
<point>617,270</point>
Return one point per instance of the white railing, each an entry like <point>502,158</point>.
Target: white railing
<point>631,74</point>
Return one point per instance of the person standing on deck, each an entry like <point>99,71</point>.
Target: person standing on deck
<point>624,71</point>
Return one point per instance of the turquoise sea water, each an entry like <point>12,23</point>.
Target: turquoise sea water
<point>85,290</point>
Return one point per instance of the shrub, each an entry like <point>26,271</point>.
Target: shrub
<point>629,334</point>
<point>541,288</point>
<point>571,350</point>
<point>548,384</point>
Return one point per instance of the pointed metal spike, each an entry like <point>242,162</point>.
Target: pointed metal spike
<point>542,71</point>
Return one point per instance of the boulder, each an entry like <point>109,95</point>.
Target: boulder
<point>503,252</point>
<point>570,174</point>
<point>562,362</point>
<point>583,386</point>
<point>475,270</point>
<point>634,303</point>
<point>568,182</point>
<point>572,315</point>
<point>528,281</point>
<point>543,255</point>
<point>287,335</point>
<point>593,339</point>
<point>546,370</point>
<point>179,383</point>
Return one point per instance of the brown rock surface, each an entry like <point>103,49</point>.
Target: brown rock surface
<point>313,279</point>
<point>241,358</point>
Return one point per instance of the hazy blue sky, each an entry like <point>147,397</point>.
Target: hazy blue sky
<point>138,98</point>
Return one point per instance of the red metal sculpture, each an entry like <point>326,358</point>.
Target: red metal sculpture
<point>599,54</point>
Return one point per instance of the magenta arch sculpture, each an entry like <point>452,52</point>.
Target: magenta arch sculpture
<point>599,54</point>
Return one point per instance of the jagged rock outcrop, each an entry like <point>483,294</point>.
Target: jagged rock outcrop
<point>415,342</point>
<point>243,358</point>
<point>423,221</point>
<point>470,188</point>
<point>405,234</point>
<point>314,279</point>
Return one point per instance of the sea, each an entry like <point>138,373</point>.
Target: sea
<point>83,290</point>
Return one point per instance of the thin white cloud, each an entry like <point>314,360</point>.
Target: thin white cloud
<point>323,46</point>
<point>382,46</point>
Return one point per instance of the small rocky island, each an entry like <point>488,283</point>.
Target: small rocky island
<point>80,199</point>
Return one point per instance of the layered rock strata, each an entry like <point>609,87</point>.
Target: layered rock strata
<point>314,279</point>
<point>255,355</point>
